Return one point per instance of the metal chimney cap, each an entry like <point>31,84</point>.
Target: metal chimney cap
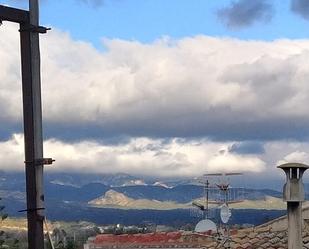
<point>293,165</point>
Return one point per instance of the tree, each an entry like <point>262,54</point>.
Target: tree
<point>5,239</point>
<point>71,245</point>
<point>3,235</point>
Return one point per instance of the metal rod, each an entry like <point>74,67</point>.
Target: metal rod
<point>207,198</point>
<point>48,234</point>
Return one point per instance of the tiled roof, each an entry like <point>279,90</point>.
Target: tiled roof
<point>267,236</point>
<point>259,238</point>
<point>251,238</point>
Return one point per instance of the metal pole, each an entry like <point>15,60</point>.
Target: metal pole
<point>207,197</point>
<point>295,240</point>
<point>30,56</point>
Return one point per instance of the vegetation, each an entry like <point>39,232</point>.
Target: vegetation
<point>71,245</point>
<point>6,241</point>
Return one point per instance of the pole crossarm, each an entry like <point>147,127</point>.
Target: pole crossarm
<point>14,15</point>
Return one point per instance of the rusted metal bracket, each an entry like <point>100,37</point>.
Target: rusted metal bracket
<point>34,29</point>
<point>42,161</point>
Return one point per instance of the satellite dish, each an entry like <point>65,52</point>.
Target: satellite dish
<point>225,213</point>
<point>205,226</point>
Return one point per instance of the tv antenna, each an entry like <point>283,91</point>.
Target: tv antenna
<point>225,192</point>
<point>220,193</point>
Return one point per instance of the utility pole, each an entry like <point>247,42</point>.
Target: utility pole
<point>31,77</point>
<point>32,113</point>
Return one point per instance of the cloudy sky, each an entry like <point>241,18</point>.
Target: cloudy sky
<point>165,88</point>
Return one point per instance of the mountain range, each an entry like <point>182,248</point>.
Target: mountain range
<point>116,197</point>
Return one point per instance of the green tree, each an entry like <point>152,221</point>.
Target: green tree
<point>3,235</point>
<point>71,245</point>
<point>6,241</point>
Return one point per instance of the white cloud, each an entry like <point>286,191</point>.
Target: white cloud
<point>295,157</point>
<point>199,86</point>
<point>157,157</point>
<point>12,153</point>
<point>154,157</point>
<point>10,83</point>
<point>278,152</point>
<point>231,163</point>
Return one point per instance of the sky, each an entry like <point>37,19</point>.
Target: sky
<point>164,88</point>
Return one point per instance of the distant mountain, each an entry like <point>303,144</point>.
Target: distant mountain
<point>267,203</point>
<point>258,194</point>
<point>16,180</point>
<point>77,194</point>
<point>86,187</point>
<point>113,199</point>
<point>181,194</point>
<point>121,179</point>
<point>12,181</point>
<point>129,199</point>
<point>79,180</point>
<point>161,184</point>
<point>174,217</point>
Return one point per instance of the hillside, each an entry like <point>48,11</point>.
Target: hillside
<point>268,203</point>
<point>136,200</point>
<point>113,199</point>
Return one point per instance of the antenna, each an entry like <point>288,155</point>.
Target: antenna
<point>219,192</point>
<point>207,198</point>
<point>225,213</point>
<point>205,225</point>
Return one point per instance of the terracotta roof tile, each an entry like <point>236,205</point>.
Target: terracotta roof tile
<point>262,237</point>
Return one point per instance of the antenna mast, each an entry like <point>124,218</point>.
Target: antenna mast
<point>207,199</point>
